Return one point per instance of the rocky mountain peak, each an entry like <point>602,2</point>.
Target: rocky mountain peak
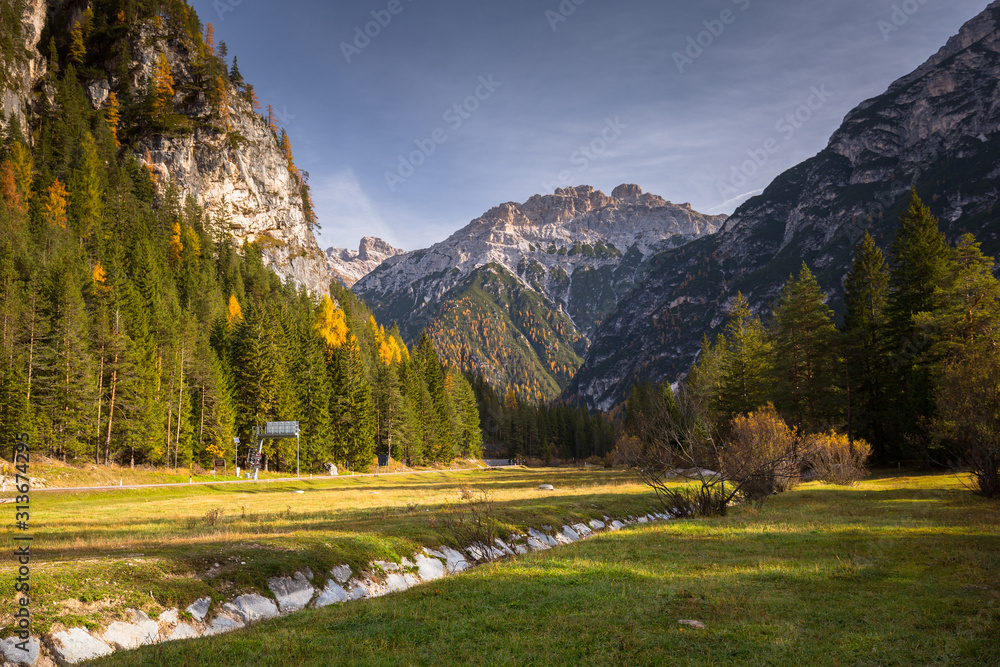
<point>551,267</point>
<point>374,248</point>
<point>626,191</point>
<point>352,265</point>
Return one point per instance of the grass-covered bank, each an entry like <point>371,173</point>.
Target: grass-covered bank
<point>895,571</point>
<point>95,554</point>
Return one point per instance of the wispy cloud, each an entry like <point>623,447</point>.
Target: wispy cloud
<point>348,211</point>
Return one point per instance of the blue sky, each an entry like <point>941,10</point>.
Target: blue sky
<point>455,106</point>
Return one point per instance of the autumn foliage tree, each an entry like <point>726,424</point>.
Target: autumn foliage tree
<point>162,89</point>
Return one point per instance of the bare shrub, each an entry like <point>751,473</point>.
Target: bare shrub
<point>670,438</point>
<point>759,455</point>
<point>213,517</point>
<point>835,459</point>
<point>473,523</point>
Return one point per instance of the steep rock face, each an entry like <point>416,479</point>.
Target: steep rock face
<point>350,266</point>
<point>237,172</point>
<point>936,129</point>
<point>539,276</point>
<point>23,70</point>
<point>239,176</point>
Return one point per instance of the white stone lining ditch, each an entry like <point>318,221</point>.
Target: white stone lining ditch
<point>294,593</point>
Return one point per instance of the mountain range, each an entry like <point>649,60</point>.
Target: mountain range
<point>517,293</point>
<point>632,284</point>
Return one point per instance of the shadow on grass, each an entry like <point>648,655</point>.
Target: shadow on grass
<point>616,600</point>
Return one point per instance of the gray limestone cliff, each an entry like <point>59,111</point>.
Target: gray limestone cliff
<point>350,266</point>
<point>236,170</point>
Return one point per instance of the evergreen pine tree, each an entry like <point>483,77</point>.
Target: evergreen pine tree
<point>746,366</point>
<point>866,292</point>
<point>920,263</point>
<point>807,361</point>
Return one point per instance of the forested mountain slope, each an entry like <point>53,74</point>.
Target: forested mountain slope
<point>134,325</point>
<point>516,294</point>
<point>936,130</point>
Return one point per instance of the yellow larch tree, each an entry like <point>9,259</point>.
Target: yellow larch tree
<point>163,88</point>
<point>113,116</point>
<point>234,314</point>
<point>54,204</point>
<point>331,324</point>
<point>176,244</point>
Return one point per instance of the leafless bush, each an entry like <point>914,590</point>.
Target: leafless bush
<point>672,438</point>
<point>760,455</point>
<point>473,523</point>
<point>835,459</point>
<point>213,517</point>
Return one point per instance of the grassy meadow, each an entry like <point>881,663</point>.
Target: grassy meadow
<point>95,554</point>
<point>898,570</point>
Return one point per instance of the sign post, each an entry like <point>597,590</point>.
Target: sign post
<point>236,457</point>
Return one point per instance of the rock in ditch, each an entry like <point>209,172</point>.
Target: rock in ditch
<point>537,545</point>
<point>182,631</point>
<point>542,537</point>
<point>570,534</point>
<point>125,636</point>
<point>252,607</point>
<point>430,568</point>
<point>170,617</point>
<point>292,593</point>
<point>546,487</point>
<point>76,645</point>
<point>597,525</point>
<point>332,594</point>
<point>199,610</point>
<point>223,623</point>
<point>397,582</point>
<point>20,652</point>
<point>358,591</point>
<point>341,573</point>
<point>456,561</point>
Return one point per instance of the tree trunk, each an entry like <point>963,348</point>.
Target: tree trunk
<point>180,411</point>
<point>111,409</point>
<point>31,346</point>
<point>201,426</point>
<point>100,397</point>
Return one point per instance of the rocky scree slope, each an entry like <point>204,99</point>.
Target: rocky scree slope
<point>936,130</point>
<point>234,168</point>
<point>350,266</point>
<point>517,293</point>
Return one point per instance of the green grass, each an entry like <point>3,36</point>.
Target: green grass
<point>47,473</point>
<point>896,571</point>
<point>96,554</point>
